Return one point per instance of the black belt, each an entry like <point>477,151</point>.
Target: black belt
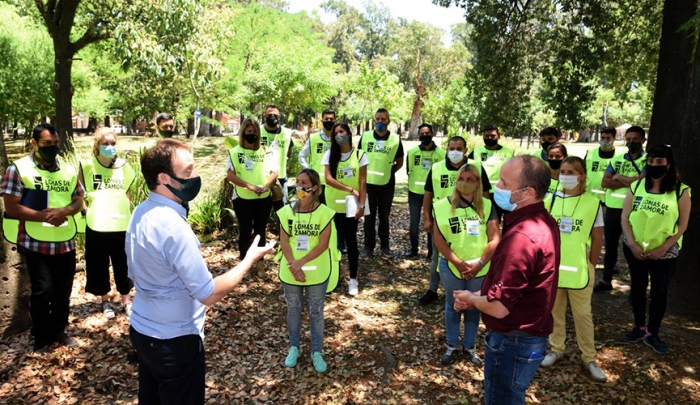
<point>515,333</point>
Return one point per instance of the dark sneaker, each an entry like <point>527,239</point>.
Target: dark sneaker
<point>602,287</point>
<point>65,340</point>
<point>366,253</point>
<point>655,343</point>
<point>449,355</point>
<point>411,254</point>
<point>636,335</point>
<point>428,298</point>
<point>386,251</point>
<point>40,347</point>
<point>473,358</point>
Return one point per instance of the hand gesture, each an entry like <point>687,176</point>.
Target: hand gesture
<point>256,252</point>
<point>55,216</point>
<point>656,253</point>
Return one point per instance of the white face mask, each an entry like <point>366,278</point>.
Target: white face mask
<point>568,181</point>
<point>455,156</point>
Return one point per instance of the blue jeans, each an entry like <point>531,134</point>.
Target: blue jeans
<point>415,205</point>
<point>434,275</point>
<point>315,296</point>
<point>453,318</point>
<point>510,363</point>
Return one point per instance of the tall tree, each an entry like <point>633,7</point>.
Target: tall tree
<point>675,121</point>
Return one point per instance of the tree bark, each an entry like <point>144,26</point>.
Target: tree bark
<point>675,120</point>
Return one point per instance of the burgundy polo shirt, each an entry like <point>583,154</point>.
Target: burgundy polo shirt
<point>524,272</point>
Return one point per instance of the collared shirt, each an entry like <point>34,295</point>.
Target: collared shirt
<point>524,272</point>
<point>12,184</point>
<point>170,276</point>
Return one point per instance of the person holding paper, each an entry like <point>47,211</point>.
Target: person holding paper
<point>346,175</point>
<point>253,170</point>
<point>466,234</point>
<point>44,232</point>
<point>309,255</point>
<point>107,180</point>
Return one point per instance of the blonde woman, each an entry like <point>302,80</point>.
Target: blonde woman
<point>466,234</point>
<point>107,179</point>
<point>307,232</point>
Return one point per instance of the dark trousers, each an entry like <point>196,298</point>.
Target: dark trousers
<point>612,232</point>
<point>415,206</point>
<point>380,199</point>
<point>350,240</point>
<point>641,272</point>
<point>99,248</point>
<point>252,217</point>
<point>171,371</point>
<point>51,278</point>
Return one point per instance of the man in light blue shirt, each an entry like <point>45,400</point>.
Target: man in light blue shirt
<point>172,282</point>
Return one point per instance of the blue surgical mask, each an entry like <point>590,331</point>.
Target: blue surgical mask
<point>502,198</point>
<point>380,127</point>
<point>108,151</point>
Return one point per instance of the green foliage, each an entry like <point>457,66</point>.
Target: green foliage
<point>205,214</point>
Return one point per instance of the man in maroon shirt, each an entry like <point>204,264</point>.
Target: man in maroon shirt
<point>518,292</point>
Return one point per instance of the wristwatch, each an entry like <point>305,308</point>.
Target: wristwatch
<point>362,207</point>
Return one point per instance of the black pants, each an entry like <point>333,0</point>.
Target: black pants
<point>415,207</point>
<point>99,248</point>
<point>252,217</point>
<point>350,240</point>
<point>380,199</point>
<point>612,232</point>
<point>51,278</point>
<point>641,272</point>
<point>171,371</point>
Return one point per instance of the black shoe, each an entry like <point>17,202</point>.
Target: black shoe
<point>411,253</point>
<point>636,335</point>
<point>602,287</point>
<point>428,298</point>
<point>366,253</point>
<point>449,355</point>
<point>65,340</point>
<point>655,343</point>
<point>40,347</point>
<point>386,251</point>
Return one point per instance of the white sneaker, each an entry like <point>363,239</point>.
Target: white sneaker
<point>352,286</point>
<point>107,310</point>
<point>551,358</point>
<point>596,372</point>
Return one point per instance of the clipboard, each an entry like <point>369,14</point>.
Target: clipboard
<point>37,200</point>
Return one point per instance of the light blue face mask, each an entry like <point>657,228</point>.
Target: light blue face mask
<point>502,198</point>
<point>108,151</point>
<point>380,127</point>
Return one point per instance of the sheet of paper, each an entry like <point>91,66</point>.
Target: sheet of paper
<point>351,206</point>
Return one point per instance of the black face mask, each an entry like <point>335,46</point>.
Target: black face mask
<point>250,138</point>
<point>634,147</point>
<point>272,121</point>
<point>546,145</point>
<point>656,172</point>
<point>48,153</point>
<point>490,142</point>
<point>328,125</point>
<point>165,134</point>
<point>426,140</point>
<point>554,164</point>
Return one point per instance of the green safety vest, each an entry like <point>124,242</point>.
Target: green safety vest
<point>60,186</point>
<point>317,148</point>
<point>654,217</point>
<point>250,166</point>
<point>419,163</point>
<point>464,232</point>
<point>553,186</point>
<point>595,170</point>
<point>538,153</point>
<point>615,197</point>
<point>381,155</point>
<point>582,211</point>
<point>280,143</point>
<point>109,208</point>
<point>493,160</point>
<point>444,179</point>
<point>310,224</point>
<point>336,198</point>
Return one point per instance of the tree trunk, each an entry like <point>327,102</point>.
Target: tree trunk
<point>216,129</point>
<point>675,119</point>
<point>63,93</point>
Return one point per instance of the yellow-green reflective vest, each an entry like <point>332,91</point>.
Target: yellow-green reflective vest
<point>310,225</point>
<point>654,217</point>
<point>381,155</point>
<point>464,232</point>
<point>318,148</point>
<point>493,160</point>
<point>251,166</point>
<point>348,173</point>
<point>277,143</point>
<point>579,213</point>
<point>553,186</point>
<point>109,208</point>
<point>419,163</point>
<point>444,179</point>
<point>595,170</point>
<point>615,197</point>
<point>60,186</point>
<point>540,154</point>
